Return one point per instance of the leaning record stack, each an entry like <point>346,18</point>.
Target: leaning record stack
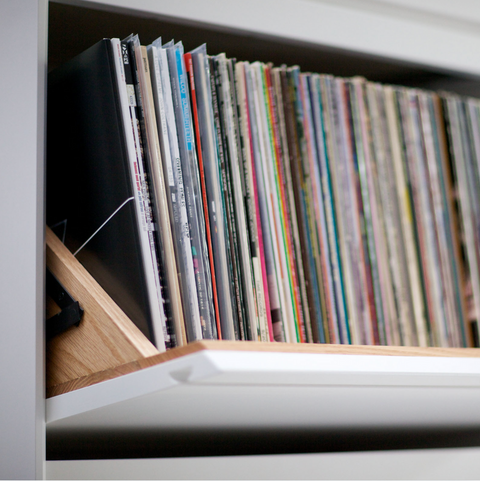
<point>277,205</point>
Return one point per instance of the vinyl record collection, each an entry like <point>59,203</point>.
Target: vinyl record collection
<point>277,205</point>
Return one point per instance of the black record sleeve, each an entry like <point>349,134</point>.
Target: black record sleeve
<point>88,178</point>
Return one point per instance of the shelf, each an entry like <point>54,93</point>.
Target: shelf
<point>386,40</point>
<point>222,387</point>
<point>248,387</point>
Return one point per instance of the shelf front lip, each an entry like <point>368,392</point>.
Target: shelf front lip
<point>285,369</point>
<point>430,38</point>
<point>140,364</point>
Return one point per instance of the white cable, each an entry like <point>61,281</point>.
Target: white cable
<point>90,238</point>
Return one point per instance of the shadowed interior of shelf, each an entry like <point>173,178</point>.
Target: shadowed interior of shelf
<point>234,442</point>
<point>107,344</point>
<point>95,23</point>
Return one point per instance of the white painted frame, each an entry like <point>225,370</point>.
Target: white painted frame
<point>431,35</point>
<point>23,36</point>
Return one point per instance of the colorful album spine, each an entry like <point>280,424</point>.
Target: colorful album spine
<point>422,190</point>
<point>360,265</point>
<point>444,333</point>
<point>280,177</point>
<point>275,288</point>
<point>326,193</point>
<point>191,181</point>
<point>427,247</point>
<point>342,206</point>
<point>217,99</point>
<point>206,123</point>
<point>469,118</point>
<point>318,227</point>
<point>370,226</point>
<point>227,67</point>
<point>251,203</point>
<point>375,226</point>
<point>467,138</point>
<point>276,221</point>
<point>401,310</point>
<point>176,194</point>
<point>427,283</point>
<point>289,206</point>
<point>294,140</point>
<point>251,172</point>
<point>449,330</point>
<point>462,168</point>
<point>319,315</point>
<point>144,208</point>
<point>171,289</point>
<point>193,190</point>
<point>193,98</point>
<point>297,331</point>
<point>416,331</point>
<point>450,230</point>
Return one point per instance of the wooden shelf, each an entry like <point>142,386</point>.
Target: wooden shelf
<point>232,346</point>
<point>252,386</point>
<point>107,345</point>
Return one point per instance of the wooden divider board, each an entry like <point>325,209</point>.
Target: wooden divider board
<point>106,337</point>
<point>107,344</point>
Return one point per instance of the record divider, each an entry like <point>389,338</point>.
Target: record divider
<point>107,344</point>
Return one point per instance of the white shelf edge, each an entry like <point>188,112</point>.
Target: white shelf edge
<point>235,373</point>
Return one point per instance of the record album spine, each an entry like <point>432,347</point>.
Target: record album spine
<point>144,209</point>
<point>193,99</point>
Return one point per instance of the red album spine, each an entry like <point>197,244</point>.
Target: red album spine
<point>189,68</point>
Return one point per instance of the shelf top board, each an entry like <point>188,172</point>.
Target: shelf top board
<point>143,362</point>
<point>222,388</point>
<point>430,33</point>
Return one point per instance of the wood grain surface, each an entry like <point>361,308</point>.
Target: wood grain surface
<point>106,337</point>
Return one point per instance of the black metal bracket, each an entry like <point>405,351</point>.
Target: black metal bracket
<point>71,312</point>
